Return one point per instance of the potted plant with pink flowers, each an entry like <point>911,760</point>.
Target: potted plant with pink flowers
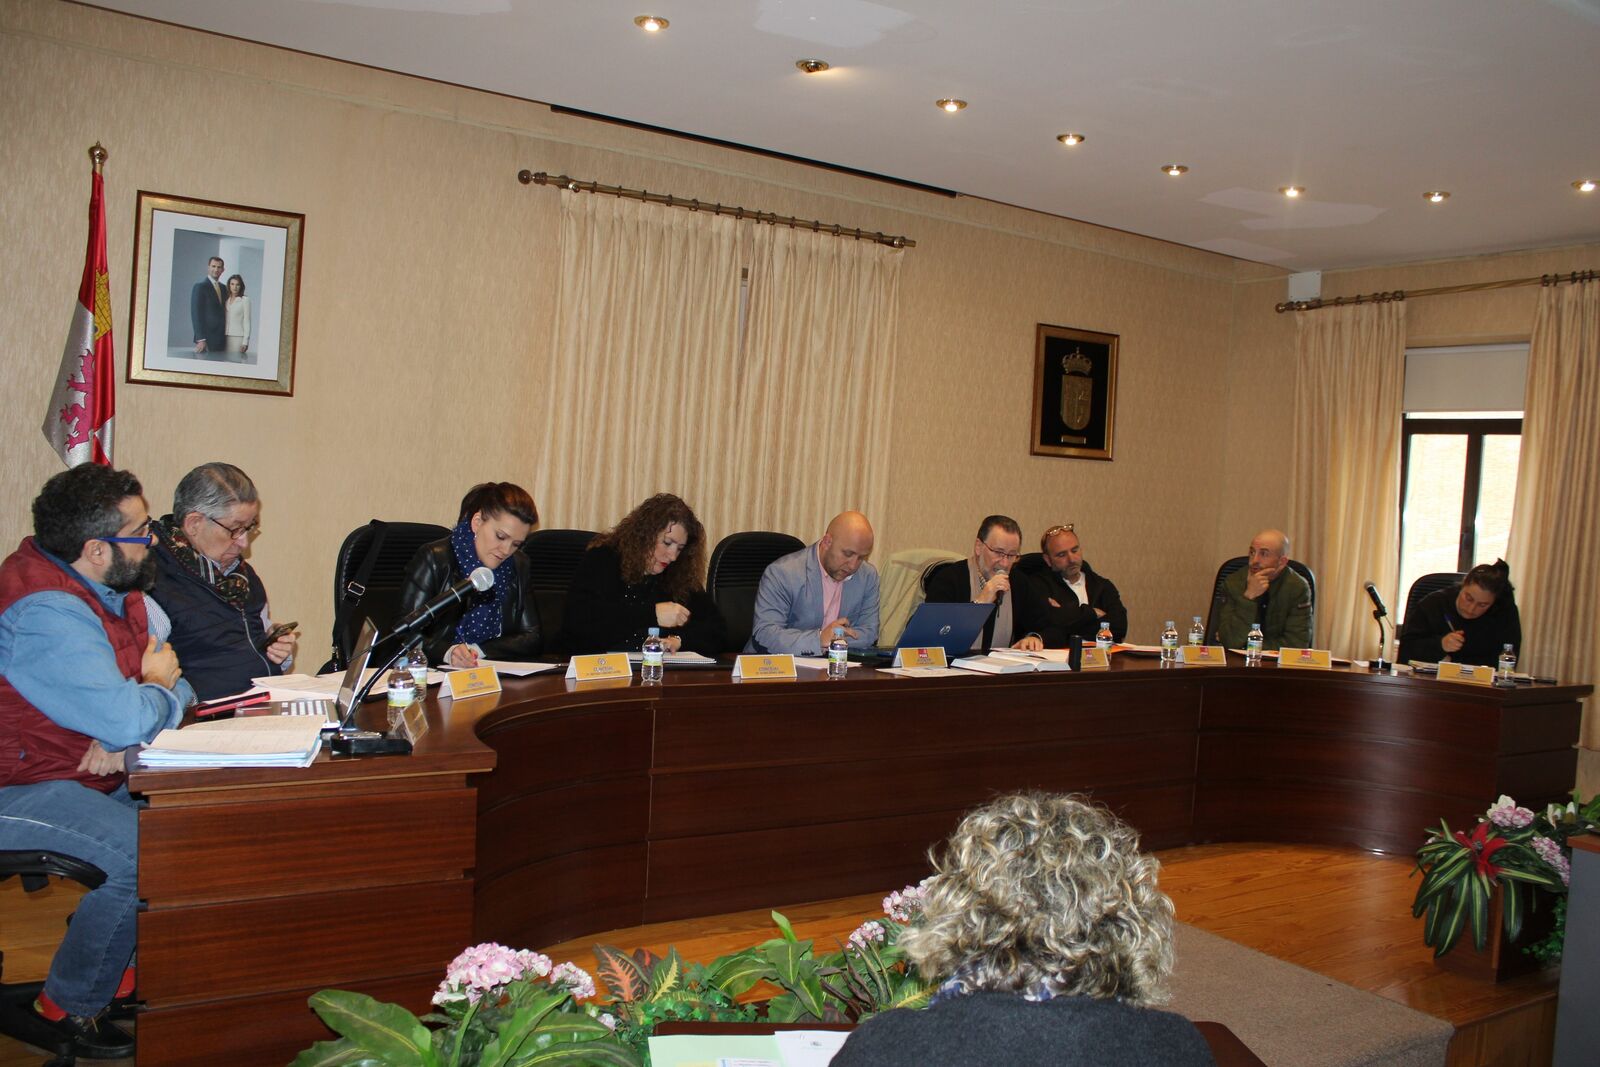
<point>1514,863</point>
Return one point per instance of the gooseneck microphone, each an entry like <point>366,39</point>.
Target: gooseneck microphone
<point>1380,611</point>
<point>481,580</point>
<point>1379,608</point>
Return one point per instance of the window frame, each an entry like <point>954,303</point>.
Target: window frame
<point>1475,430</point>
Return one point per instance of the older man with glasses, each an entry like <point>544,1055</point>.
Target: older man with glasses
<point>216,602</point>
<point>82,678</point>
<point>987,579</point>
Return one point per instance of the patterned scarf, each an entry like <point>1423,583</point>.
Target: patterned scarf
<point>482,620</point>
<point>232,587</point>
<point>960,985</point>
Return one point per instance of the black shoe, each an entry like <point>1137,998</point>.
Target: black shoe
<point>93,1038</point>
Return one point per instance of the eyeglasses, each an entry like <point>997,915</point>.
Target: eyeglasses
<point>1000,552</point>
<point>243,531</point>
<point>1057,530</point>
<point>142,537</point>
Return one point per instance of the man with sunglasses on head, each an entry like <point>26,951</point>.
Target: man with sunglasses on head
<point>1018,619</point>
<point>217,604</point>
<point>82,679</point>
<point>1078,599</point>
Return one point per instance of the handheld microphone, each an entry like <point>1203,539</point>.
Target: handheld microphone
<point>1377,600</point>
<point>481,580</point>
<point>1000,597</point>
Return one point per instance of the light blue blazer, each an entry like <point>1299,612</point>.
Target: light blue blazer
<point>788,612</point>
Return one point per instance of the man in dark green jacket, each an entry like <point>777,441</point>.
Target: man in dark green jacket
<point>1266,590</point>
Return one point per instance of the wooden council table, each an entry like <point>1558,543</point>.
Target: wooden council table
<point>555,809</point>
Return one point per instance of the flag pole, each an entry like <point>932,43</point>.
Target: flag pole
<point>98,156</point>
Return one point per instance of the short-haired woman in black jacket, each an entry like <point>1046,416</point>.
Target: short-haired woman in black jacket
<point>500,623</point>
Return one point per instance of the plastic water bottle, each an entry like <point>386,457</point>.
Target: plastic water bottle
<point>402,690</point>
<point>1505,674</point>
<point>1169,642</point>
<point>653,656</point>
<point>416,662</point>
<point>1252,645</point>
<point>838,655</point>
<point>1102,639</point>
<point>1197,632</point>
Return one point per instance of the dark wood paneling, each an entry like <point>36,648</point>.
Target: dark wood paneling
<point>264,946</point>
<point>577,817</point>
<point>1539,727</point>
<point>552,747</point>
<point>1336,704</point>
<point>1284,759</point>
<point>563,897</point>
<point>226,851</point>
<point>1325,813</point>
<point>266,1031</point>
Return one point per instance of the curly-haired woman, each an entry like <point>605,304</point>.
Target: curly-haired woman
<point>647,570</point>
<point>1045,925</point>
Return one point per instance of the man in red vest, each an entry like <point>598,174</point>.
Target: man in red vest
<point>81,680</point>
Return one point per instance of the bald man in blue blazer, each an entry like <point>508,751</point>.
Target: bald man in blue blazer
<point>807,594</point>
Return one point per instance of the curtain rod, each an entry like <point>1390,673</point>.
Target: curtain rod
<point>1442,290</point>
<point>528,177</point>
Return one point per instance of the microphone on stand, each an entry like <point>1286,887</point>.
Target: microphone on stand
<point>481,580</point>
<point>1380,611</point>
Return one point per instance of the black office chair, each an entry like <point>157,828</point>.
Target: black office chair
<point>938,567</point>
<point>737,564</point>
<point>1030,563</point>
<point>368,575</point>
<point>17,1019</point>
<point>553,557</point>
<point>1430,583</point>
<point>1228,567</point>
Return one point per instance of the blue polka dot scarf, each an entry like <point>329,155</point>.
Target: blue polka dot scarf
<point>484,613</point>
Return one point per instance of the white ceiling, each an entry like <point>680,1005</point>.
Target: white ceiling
<point>1365,103</point>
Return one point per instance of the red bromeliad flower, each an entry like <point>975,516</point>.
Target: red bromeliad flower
<point>1485,846</point>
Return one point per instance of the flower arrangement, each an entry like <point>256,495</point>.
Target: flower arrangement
<point>502,1007</point>
<point>499,1007</point>
<point>1522,852</point>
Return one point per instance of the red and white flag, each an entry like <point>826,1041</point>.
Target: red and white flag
<point>83,403</point>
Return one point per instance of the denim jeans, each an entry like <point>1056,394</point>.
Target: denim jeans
<point>98,828</point>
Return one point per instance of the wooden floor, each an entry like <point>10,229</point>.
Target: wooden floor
<point>1343,914</point>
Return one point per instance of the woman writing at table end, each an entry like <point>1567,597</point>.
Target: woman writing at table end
<point>1469,623</point>
<point>647,570</point>
<point>501,622</point>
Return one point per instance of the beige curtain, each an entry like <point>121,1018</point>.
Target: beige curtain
<point>650,390</point>
<point>1552,548</point>
<point>645,341</point>
<point>815,385</point>
<point>1344,513</point>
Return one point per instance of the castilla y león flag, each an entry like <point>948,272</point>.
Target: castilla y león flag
<point>82,404</point>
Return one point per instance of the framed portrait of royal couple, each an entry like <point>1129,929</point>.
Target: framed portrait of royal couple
<point>216,295</point>
<point>1074,392</point>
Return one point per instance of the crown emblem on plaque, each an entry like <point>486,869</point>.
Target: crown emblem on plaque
<point>1077,363</point>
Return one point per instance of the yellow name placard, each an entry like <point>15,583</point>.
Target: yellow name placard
<point>1466,672</point>
<point>1095,659</point>
<point>473,683</point>
<point>1203,656</point>
<point>749,668</point>
<point>606,667</point>
<point>920,657</point>
<point>1316,659</point>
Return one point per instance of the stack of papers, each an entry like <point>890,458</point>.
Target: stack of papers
<point>325,686</point>
<point>995,664</point>
<point>266,741</point>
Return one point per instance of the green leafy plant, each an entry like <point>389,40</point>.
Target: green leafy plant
<point>1522,853</point>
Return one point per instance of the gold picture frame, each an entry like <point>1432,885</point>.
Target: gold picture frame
<point>185,330</point>
<point>1074,392</point>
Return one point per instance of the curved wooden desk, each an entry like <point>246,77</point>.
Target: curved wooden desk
<point>552,810</point>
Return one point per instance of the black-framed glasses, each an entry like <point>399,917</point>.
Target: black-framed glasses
<point>999,552</point>
<point>142,536</point>
<point>243,531</point>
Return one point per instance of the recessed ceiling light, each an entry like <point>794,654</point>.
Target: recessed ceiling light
<point>1292,191</point>
<point>1436,196</point>
<point>1586,185</point>
<point>1070,139</point>
<point>812,66</point>
<point>951,106</point>
<point>651,23</point>
<point>1174,170</point>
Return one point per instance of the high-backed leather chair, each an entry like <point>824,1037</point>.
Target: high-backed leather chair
<point>1430,583</point>
<point>368,574</point>
<point>734,575</point>
<point>35,868</point>
<point>553,557</point>
<point>1229,566</point>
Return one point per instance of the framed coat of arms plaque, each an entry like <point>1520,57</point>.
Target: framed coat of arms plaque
<point>1074,392</point>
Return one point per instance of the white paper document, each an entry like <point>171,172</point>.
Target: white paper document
<point>514,668</point>
<point>809,1048</point>
<point>816,663</point>
<point>924,672</point>
<point>264,741</point>
<point>326,686</point>
<point>675,657</point>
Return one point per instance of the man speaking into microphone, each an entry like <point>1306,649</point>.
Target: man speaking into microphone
<point>986,579</point>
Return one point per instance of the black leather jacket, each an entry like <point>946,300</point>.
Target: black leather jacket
<point>432,570</point>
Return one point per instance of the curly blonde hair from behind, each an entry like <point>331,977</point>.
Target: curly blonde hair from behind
<point>1045,888</point>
